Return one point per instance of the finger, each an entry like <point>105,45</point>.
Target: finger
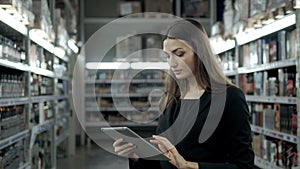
<point>162,148</point>
<point>164,141</point>
<point>127,152</point>
<point>123,147</point>
<point>118,142</point>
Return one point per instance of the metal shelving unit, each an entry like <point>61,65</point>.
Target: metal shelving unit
<point>244,38</point>
<point>21,31</point>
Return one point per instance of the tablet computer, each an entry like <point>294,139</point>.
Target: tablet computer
<point>144,148</point>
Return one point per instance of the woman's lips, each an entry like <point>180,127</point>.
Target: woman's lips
<point>177,71</point>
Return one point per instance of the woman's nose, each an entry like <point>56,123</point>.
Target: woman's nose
<point>172,61</point>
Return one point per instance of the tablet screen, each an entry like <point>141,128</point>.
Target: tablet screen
<point>144,149</point>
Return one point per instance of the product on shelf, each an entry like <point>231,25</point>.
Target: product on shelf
<point>13,156</point>
<point>12,120</point>
<point>11,50</point>
<point>196,8</point>
<point>277,152</point>
<point>41,152</point>
<point>41,85</point>
<point>20,9</point>
<point>228,16</point>
<point>42,20</point>
<point>60,30</point>
<point>126,47</point>
<point>129,7</point>
<point>12,83</point>
<point>159,7</point>
<point>113,106</point>
<point>267,73</point>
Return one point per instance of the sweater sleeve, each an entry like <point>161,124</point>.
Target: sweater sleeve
<point>240,154</point>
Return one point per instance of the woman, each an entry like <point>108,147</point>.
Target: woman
<point>205,120</point>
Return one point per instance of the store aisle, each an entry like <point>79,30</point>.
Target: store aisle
<point>92,158</point>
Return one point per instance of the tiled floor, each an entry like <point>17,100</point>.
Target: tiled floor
<point>92,158</point>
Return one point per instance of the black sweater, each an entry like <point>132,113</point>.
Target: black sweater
<point>229,145</point>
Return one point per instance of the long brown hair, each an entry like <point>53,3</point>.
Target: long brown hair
<point>208,72</point>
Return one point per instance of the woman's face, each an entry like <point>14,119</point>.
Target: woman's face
<point>180,57</point>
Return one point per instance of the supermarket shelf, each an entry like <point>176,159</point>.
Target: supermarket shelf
<point>133,124</point>
<point>139,20</point>
<point>230,72</point>
<point>39,129</point>
<point>95,109</point>
<point>37,38</point>
<point>126,81</point>
<point>61,97</point>
<point>122,95</point>
<point>275,134</point>
<point>25,166</point>
<point>37,99</point>
<point>43,127</point>
<point>261,163</point>
<point>272,99</point>
<point>43,72</point>
<point>283,23</point>
<point>58,117</point>
<point>12,22</point>
<point>14,65</point>
<point>127,20</point>
<point>62,77</point>
<point>222,46</point>
<point>8,141</point>
<point>268,66</point>
<point>14,101</point>
<point>61,138</point>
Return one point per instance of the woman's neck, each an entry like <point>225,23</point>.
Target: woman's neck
<point>194,90</point>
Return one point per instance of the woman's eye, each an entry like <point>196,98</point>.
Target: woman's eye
<point>180,54</point>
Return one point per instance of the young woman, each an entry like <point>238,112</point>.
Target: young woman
<point>205,119</point>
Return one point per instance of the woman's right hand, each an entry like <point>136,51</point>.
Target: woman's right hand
<point>125,149</point>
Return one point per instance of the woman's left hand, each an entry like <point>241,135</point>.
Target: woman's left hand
<point>170,151</point>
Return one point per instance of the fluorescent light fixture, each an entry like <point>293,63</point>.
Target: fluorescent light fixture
<point>60,52</point>
<point>37,35</point>
<point>72,45</point>
<point>107,65</point>
<point>12,22</point>
<point>279,24</point>
<point>149,65</point>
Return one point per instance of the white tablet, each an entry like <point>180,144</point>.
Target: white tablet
<point>144,149</point>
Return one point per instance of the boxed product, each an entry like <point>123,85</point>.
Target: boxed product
<point>228,17</point>
<point>196,8</point>
<point>289,6</point>
<point>127,47</point>
<point>242,9</point>
<point>163,6</point>
<point>60,30</point>
<point>257,7</point>
<point>272,5</point>
<point>153,44</point>
<point>42,18</point>
<point>127,8</point>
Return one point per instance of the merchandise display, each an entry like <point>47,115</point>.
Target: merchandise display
<point>111,91</point>
<point>264,64</point>
<point>34,82</point>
